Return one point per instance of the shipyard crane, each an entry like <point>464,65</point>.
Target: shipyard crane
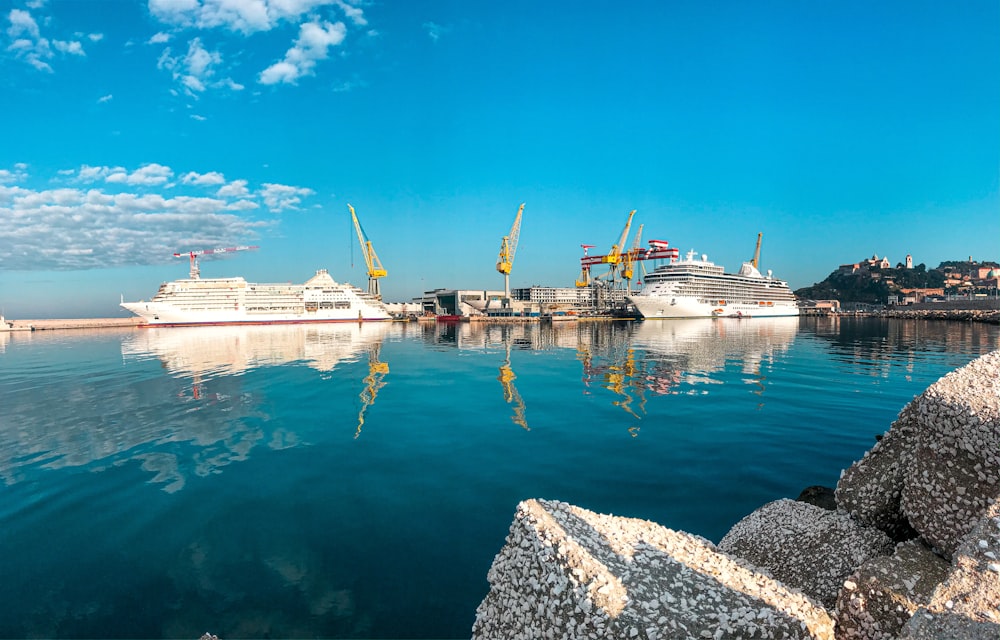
<point>508,247</point>
<point>195,272</point>
<point>630,258</point>
<point>756,253</point>
<point>614,257</point>
<point>375,269</point>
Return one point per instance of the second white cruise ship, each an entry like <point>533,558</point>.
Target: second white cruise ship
<point>693,287</point>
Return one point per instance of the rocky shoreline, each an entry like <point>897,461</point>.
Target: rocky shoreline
<point>908,547</point>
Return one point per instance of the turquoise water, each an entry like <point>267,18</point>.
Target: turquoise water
<point>356,481</point>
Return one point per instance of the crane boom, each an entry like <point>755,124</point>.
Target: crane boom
<point>631,256</point>
<point>508,247</point>
<point>756,253</point>
<point>375,269</point>
<point>614,256</point>
<point>195,272</point>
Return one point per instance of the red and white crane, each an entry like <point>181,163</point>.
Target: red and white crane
<point>195,272</point>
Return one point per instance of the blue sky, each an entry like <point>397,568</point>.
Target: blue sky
<point>133,130</point>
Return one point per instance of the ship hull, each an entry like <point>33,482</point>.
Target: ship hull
<point>653,307</point>
<point>162,315</point>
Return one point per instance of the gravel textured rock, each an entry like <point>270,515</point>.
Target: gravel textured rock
<point>805,546</point>
<point>955,474</point>
<point>948,626</point>
<point>879,599</point>
<point>972,588</point>
<point>938,467</point>
<point>872,488</point>
<point>565,572</point>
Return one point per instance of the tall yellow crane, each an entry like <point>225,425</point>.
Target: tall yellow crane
<point>375,269</point>
<point>614,256</point>
<point>630,258</point>
<point>508,247</point>
<point>756,253</point>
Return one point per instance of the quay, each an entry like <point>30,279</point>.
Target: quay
<point>74,323</point>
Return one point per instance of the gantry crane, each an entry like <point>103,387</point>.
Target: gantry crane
<point>195,272</point>
<point>613,257</point>
<point>508,247</point>
<point>375,269</point>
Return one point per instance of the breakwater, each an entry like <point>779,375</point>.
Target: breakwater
<point>911,550</point>
<point>76,323</point>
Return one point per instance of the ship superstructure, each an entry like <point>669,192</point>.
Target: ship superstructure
<point>694,287</point>
<point>201,301</point>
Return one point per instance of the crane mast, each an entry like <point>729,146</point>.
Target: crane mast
<point>508,247</point>
<point>375,269</point>
<point>195,272</point>
<point>756,253</point>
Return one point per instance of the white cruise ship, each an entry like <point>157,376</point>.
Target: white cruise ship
<point>696,288</point>
<point>201,301</point>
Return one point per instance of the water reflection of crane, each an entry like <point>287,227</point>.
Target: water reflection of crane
<point>375,380</point>
<point>510,393</point>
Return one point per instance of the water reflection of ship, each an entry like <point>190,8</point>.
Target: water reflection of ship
<point>202,353</point>
<point>225,350</point>
<point>699,347</point>
<point>658,356</point>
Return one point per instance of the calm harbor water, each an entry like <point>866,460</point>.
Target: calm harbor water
<point>356,481</point>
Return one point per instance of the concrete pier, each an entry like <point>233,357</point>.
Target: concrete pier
<point>76,323</point>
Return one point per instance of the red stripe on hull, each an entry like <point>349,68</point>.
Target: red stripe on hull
<point>152,325</point>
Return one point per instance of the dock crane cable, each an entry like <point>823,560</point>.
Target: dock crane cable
<point>374,265</point>
<point>508,248</point>
<point>195,272</point>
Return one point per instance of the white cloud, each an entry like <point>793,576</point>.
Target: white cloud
<point>244,16</point>
<point>210,178</point>
<point>160,38</point>
<point>355,13</point>
<point>73,48</point>
<point>96,37</point>
<point>106,98</point>
<point>279,196</point>
<point>195,71</point>
<point>314,41</point>
<point>21,23</point>
<point>28,44</point>
<point>435,31</point>
<point>235,189</point>
<point>129,219</point>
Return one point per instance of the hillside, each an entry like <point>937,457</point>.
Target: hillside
<point>873,284</point>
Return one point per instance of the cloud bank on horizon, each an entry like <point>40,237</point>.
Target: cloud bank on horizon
<point>94,217</point>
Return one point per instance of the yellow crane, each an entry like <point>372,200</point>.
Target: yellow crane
<point>756,253</point>
<point>630,258</point>
<point>508,247</point>
<point>375,269</point>
<point>614,256</point>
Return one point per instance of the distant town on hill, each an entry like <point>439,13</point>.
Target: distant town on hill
<point>876,281</point>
